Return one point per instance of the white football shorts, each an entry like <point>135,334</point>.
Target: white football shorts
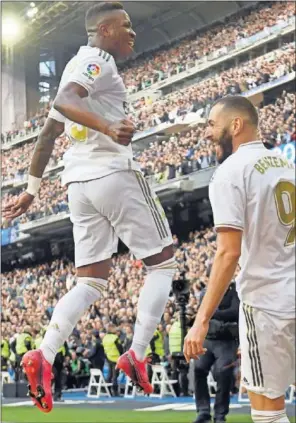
<point>120,205</point>
<point>267,352</point>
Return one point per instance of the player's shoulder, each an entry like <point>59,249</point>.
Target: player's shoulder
<point>96,54</point>
<point>226,170</point>
<point>236,166</point>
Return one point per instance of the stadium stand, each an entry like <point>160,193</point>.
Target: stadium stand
<point>169,61</point>
<point>29,294</point>
<point>160,66</point>
<point>181,155</point>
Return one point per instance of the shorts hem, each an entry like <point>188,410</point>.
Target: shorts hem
<point>154,251</point>
<point>270,393</point>
<point>93,260</point>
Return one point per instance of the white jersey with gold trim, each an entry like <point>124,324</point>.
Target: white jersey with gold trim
<point>93,154</point>
<point>254,191</point>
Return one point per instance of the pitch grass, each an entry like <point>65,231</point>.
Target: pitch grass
<point>86,415</point>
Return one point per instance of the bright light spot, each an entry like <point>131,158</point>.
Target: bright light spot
<point>11,30</point>
<point>32,4</point>
<point>32,12</point>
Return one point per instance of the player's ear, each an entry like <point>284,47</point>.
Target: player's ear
<point>237,125</point>
<point>105,30</point>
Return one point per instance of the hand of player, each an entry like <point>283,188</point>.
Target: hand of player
<point>121,132</point>
<point>193,343</point>
<point>18,207</point>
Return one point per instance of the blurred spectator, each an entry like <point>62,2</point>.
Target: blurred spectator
<point>97,354</point>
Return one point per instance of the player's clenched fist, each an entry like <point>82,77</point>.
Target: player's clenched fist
<point>121,132</point>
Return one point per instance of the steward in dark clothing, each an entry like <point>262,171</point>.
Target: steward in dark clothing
<point>97,354</point>
<point>221,344</point>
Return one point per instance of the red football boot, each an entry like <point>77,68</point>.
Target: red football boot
<point>135,370</point>
<point>39,375</point>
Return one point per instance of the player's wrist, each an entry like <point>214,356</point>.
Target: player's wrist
<point>33,185</point>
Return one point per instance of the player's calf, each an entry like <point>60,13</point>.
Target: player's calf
<point>152,302</point>
<point>267,410</point>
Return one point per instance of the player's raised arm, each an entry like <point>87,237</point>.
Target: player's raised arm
<point>44,146</point>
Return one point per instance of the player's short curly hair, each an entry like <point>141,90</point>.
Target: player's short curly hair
<point>101,8</point>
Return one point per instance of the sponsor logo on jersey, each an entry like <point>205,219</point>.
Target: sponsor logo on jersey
<point>92,71</point>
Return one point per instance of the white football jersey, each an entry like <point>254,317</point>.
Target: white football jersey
<point>254,191</point>
<point>93,154</point>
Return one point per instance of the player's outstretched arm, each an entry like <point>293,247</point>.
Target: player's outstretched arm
<point>44,146</point>
<point>69,102</point>
<point>226,259</point>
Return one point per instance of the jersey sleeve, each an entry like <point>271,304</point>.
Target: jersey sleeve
<point>228,204</point>
<point>93,73</point>
<point>54,114</point>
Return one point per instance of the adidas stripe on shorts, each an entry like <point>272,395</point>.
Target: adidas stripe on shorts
<point>267,345</point>
<point>120,205</point>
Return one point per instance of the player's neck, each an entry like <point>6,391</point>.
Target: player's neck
<point>244,140</point>
<point>101,45</point>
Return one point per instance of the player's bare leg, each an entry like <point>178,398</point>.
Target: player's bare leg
<point>267,410</point>
<point>151,305</point>
<point>37,364</point>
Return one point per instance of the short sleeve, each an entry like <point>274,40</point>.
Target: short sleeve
<point>54,114</point>
<point>228,204</point>
<point>93,73</point>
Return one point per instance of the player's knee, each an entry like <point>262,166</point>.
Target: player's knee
<point>167,268</point>
<point>278,416</point>
<point>166,254</point>
<point>96,283</point>
<point>99,269</point>
<point>200,373</point>
<point>223,373</point>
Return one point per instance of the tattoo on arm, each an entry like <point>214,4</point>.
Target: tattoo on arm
<point>44,146</point>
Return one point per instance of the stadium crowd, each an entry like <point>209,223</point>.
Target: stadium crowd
<point>160,65</point>
<point>29,295</point>
<point>244,77</point>
<point>16,161</point>
<point>256,72</point>
<point>181,154</point>
<point>30,125</point>
<point>173,58</point>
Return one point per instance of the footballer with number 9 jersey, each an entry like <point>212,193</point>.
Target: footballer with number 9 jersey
<point>252,194</point>
<point>108,198</point>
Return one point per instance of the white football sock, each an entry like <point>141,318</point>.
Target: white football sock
<point>151,305</point>
<point>278,416</point>
<point>68,312</point>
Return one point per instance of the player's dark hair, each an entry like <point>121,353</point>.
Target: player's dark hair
<point>240,104</point>
<point>100,8</point>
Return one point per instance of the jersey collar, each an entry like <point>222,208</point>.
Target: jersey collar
<point>251,143</point>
